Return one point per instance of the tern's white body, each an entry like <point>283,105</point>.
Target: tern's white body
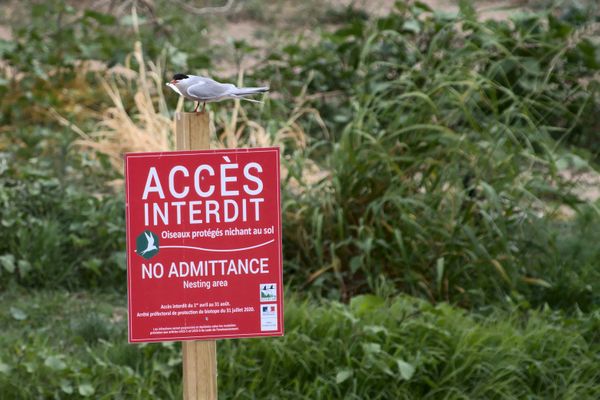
<point>206,90</point>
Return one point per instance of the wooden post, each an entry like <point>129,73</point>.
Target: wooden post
<point>199,357</point>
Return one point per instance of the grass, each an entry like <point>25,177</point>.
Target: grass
<point>430,178</point>
<point>64,240</point>
<point>422,154</point>
<point>68,345</point>
<point>425,160</point>
<point>444,156</point>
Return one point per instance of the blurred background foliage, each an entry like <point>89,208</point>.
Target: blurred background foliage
<point>449,154</point>
<point>427,152</point>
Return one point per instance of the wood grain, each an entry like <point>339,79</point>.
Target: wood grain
<point>192,131</point>
<point>199,357</point>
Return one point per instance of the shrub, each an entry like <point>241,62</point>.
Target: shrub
<point>58,235</point>
<point>448,160</point>
<point>400,348</point>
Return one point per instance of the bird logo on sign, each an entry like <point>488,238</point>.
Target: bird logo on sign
<point>147,244</point>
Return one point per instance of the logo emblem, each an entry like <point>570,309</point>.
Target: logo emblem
<point>268,292</point>
<point>146,245</point>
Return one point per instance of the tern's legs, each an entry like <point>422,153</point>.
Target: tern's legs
<point>198,105</point>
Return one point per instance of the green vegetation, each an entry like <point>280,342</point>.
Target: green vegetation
<point>61,236</point>
<point>440,239</point>
<point>69,345</point>
<point>446,146</point>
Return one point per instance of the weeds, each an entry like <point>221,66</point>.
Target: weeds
<point>70,239</point>
<point>424,153</point>
<point>447,159</point>
<point>151,129</point>
<point>399,348</point>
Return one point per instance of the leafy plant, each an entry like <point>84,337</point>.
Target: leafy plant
<point>448,157</point>
<point>68,238</point>
<point>373,348</point>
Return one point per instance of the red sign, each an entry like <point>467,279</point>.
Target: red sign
<point>204,244</point>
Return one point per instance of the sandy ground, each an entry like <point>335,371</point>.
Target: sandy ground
<point>489,9</point>
<point>5,33</point>
<point>286,22</point>
<point>494,9</point>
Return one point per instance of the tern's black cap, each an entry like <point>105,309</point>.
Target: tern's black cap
<point>178,77</point>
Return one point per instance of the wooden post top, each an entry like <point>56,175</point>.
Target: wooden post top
<point>192,131</point>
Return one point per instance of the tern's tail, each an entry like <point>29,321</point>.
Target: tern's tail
<point>245,91</point>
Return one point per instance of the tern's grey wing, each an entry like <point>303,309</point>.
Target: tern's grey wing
<point>208,89</point>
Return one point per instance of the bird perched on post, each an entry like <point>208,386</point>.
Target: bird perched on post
<point>205,90</point>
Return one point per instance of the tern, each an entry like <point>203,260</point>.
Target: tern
<point>150,246</point>
<point>205,90</point>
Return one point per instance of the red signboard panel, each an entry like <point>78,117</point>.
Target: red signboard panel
<point>204,244</point>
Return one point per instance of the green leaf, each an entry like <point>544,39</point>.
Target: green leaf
<point>18,314</point>
<point>537,281</point>
<point>55,363</point>
<point>439,273</point>
<point>6,46</point>
<point>376,329</point>
<point>86,390</point>
<point>94,265</point>
<point>406,370</point>
<point>571,161</point>
<point>467,9</point>
<point>66,386</point>
<point>129,20</point>
<point>104,19</point>
<point>590,53</point>
<point>411,25</point>
<point>24,268</point>
<point>30,367</point>
<point>120,258</point>
<point>365,302</point>
<point>355,263</point>
<point>383,367</point>
<point>371,348</point>
<point>8,262</point>
<point>560,28</point>
<point>531,66</point>
<point>4,368</point>
<point>422,6</point>
<point>343,375</point>
<point>176,56</point>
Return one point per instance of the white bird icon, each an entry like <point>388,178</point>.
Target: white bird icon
<point>150,246</point>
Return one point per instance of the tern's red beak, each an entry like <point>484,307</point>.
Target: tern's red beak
<point>174,81</point>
